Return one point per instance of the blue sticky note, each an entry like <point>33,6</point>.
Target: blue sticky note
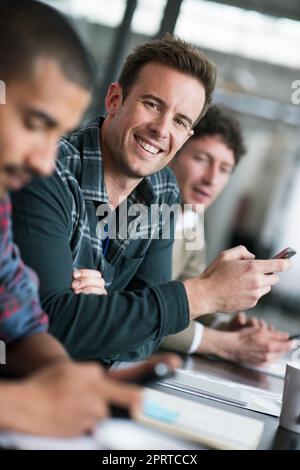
<point>154,410</point>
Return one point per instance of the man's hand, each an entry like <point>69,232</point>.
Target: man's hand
<point>240,320</point>
<point>67,399</point>
<point>234,281</point>
<point>88,281</point>
<point>254,345</point>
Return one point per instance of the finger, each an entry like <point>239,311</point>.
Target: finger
<point>79,273</point>
<point>91,290</point>
<point>122,394</point>
<point>240,318</point>
<point>279,346</point>
<point>238,252</point>
<point>262,323</point>
<point>253,321</point>
<point>88,282</point>
<point>249,331</point>
<point>133,373</point>
<point>271,357</point>
<point>268,266</point>
<point>279,335</point>
<point>269,280</point>
<point>263,291</point>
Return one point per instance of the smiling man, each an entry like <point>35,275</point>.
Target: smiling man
<point>116,164</point>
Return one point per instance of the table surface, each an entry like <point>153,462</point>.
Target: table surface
<point>274,436</point>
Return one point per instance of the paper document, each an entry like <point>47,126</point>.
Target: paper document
<point>277,369</point>
<point>201,423</point>
<point>29,442</point>
<point>245,396</point>
<point>114,434</point>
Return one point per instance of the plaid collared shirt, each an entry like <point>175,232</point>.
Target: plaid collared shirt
<point>20,310</point>
<point>80,166</point>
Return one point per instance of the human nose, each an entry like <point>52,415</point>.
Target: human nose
<point>160,126</point>
<point>211,174</point>
<point>42,160</point>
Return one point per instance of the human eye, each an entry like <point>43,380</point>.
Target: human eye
<point>200,157</point>
<point>33,123</point>
<point>182,123</point>
<point>226,170</point>
<point>152,105</point>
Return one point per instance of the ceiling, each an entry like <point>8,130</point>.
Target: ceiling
<point>279,8</point>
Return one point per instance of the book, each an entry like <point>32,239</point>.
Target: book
<point>199,423</point>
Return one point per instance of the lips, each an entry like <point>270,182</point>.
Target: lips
<point>202,192</point>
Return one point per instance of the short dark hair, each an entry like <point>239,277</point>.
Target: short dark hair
<point>175,53</point>
<point>30,29</point>
<point>219,122</point>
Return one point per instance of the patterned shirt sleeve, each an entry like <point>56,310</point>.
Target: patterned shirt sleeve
<point>20,310</point>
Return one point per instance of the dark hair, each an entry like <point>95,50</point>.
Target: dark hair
<point>175,53</point>
<point>30,29</point>
<point>220,122</point>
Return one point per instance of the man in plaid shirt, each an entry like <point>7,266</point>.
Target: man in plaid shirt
<point>46,95</point>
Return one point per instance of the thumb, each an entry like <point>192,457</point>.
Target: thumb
<point>241,318</point>
<point>238,252</point>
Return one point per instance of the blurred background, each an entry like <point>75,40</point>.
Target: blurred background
<point>256,47</point>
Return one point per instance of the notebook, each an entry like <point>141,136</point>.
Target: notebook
<point>200,423</point>
<point>226,391</point>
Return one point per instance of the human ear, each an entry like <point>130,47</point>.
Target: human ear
<point>114,98</point>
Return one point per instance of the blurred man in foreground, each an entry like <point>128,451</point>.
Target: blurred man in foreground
<point>48,82</point>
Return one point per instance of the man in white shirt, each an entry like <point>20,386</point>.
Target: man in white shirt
<point>203,168</point>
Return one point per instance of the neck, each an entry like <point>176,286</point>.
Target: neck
<point>117,186</point>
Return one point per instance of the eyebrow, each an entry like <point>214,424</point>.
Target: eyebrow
<point>209,155</point>
<point>163,104</point>
<point>48,120</point>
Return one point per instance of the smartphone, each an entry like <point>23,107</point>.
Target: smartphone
<point>286,253</point>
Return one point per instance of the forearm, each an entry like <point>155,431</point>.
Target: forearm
<point>216,342</point>
<point>200,298</point>
<point>14,411</point>
<point>120,322</point>
<point>33,352</point>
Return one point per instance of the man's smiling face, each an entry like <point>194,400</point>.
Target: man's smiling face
<point>145,130</point>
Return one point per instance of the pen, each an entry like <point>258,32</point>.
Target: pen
<point>158,372</point>
<point>297,336</point>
